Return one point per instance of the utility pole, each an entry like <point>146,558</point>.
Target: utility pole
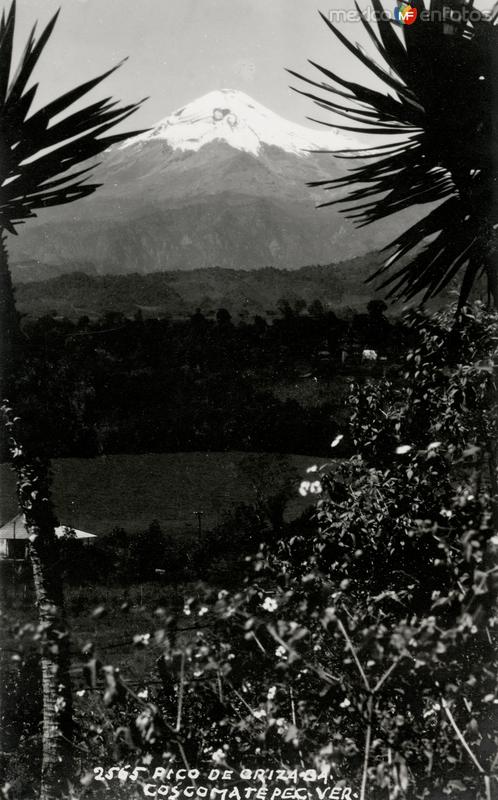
<point>199,515</point>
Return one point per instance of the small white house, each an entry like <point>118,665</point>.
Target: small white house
<point>369,355</point>
<point>14,537</point>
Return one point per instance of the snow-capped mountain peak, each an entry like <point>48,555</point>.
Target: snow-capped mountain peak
<point>234,117</point>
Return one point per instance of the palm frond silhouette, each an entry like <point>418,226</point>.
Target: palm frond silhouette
<point>440,105</point>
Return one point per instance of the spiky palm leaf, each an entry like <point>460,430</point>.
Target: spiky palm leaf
<point>39,153</point>
<point>442,108</point>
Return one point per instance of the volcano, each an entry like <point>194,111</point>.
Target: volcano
<point>235,118</point>
<point>219,182</point>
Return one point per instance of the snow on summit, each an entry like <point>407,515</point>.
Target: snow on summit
<point>234,117</point>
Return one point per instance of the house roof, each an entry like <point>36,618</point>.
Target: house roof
<point>16,529</point>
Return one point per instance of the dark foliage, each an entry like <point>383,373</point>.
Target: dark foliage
<point>363,646</point>
<point>439,110</point>
<point>39,152</point>
<point>120,385</point>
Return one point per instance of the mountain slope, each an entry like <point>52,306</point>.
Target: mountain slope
<point>220,182</point>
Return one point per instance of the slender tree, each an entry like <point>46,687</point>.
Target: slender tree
<point>439,110</point>
<point>46,158</point>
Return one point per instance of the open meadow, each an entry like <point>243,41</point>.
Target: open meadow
<point>130,491</point>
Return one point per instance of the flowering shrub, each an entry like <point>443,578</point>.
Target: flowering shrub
<point>366,647</point>
<point>362,646</point>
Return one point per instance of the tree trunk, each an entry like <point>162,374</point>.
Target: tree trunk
<point>44,550</point>
<point>492,275</point>
<point>9,321</point>
<point>33,482</point>
<point>55,661</point>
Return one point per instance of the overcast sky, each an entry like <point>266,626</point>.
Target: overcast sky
<point>180,49</point>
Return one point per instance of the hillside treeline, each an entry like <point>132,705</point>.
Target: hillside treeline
<point>120,385</point>
<point>44,289</point>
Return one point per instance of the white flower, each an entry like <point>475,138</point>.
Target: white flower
<point>304,488</point>
<point>316,487</point>
<point>280,652</point>
<point>218,756</point>
<point>403,448</point>
<point>187,611</point>
<point>281,725</point>
<point>59,705</point>
<point>445,512</point>
<point>141,638</point>
<point>338,439</point>
<point>260,713</point>
<point>203,610</point>
<point>312,468</point>
<point>345,703</point>
<point>270,604</point>
<point>272,691</point>
<point>143,694</point>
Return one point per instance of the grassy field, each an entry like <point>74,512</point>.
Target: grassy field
<point>111,631</point>
<point>309,391</point>
<point>130,491</point>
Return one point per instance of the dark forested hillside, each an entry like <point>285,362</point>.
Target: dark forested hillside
<point>178,294</point>
<point>156,385</point>
<point>343,285</point>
